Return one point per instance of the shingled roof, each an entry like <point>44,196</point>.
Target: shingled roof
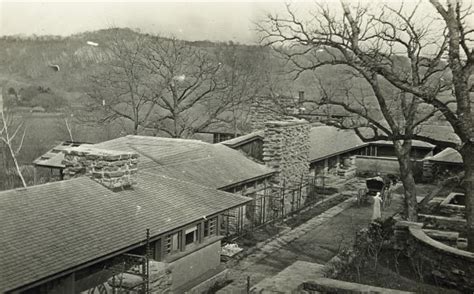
<point>448,155</point>
<point>241,140</point>
<point>50,228</point>
<point>211,165</point>
<point>54,157</point>
<point>327,141</point>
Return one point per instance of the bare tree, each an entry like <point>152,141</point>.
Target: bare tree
<point>119,90</point>
<point>396,45</point>
<point>461,63</point>
<point>168,86</point>
<point>9,130</point>
<point>195,86</point>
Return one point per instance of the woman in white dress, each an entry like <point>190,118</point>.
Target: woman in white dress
<point>377,204</point>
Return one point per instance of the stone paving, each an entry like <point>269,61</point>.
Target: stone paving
<point>317,240</point>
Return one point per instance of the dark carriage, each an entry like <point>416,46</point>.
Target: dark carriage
<point>373,186</point>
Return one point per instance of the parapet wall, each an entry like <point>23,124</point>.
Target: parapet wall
<point>445,264</point>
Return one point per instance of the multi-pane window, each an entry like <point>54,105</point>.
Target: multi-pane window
<point>210,227</point>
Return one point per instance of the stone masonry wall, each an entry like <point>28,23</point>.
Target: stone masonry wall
<point>113,169</point>
<point>285,149</point>
<point>446,265</point>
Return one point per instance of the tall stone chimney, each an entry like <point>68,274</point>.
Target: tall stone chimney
<point>269,108</point>
<point>286,150</point>
<point>114,169</point>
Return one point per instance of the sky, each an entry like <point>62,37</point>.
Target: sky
<point>191,20</point>
<point>215,20</point>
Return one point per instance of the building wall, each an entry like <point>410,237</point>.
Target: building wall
<point>238,219</point>
<point>195,264</point>
<point>385,165</point>
<point>253,149</point>
<point>389,151</point>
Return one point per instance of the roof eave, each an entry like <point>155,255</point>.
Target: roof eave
<point>337,153</point>
<point>247,180</point>
<point>238,144</point>
<point>117,252</point>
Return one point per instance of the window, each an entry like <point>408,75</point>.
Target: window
<point>210,227</point>
<point>156,250</point>
<point>190,235</point>
<point>172,242</point>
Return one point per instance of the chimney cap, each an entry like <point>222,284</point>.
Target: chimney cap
<point>90,150</point>
<point>286,123</point>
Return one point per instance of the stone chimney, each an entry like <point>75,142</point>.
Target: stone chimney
<point>268,108</point>
<point>114,169</point>
<point>286,149</point>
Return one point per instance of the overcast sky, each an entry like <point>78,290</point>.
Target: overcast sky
<point>192,20</point>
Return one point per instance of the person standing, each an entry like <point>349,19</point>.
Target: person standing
<point>377,214</point>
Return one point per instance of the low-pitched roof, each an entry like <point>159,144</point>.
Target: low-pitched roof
<point>448,155</point>
<point>55,156</point>
<point>414,143</point>
<point>327,141</point>
<point>50,228</point>
<point>439,132</point>
<point>211,165</point>
<point>238,141</point>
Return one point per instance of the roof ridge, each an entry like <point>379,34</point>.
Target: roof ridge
<point>167,139</point>
<point>47,184</point>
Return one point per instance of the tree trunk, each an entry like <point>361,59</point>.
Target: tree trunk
<point>467,153</point>
<point>406,176</point>
<point>17,166</point>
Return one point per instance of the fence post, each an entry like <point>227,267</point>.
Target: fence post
<point>283,199</point>
<point>147,261</point>
<point>300,192</point>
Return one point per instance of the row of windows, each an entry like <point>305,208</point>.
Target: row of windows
<point>173,242</point>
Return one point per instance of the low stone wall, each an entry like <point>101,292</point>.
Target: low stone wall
<point>445,264</point>
<point>325,285</point>
<point>442,222</point>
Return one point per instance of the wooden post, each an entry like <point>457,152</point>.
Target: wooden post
<point>147,261</point>
<point>35,175</point>
<point>283,199</point>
